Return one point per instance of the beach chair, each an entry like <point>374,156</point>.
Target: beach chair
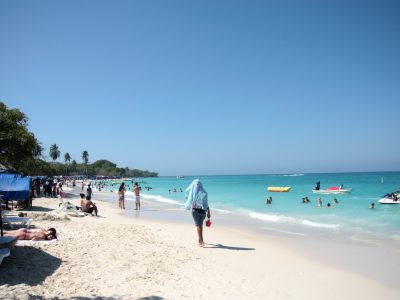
<point>69,208</point>
<point>4,253</point>
<point>12,222</point>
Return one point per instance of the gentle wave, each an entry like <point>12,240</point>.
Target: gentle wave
<point>294,175</point>
<point>320,225</point>
<point>222,211</point>
<point>271,218</point>
<point>161,199</point>
<point>285,219</point>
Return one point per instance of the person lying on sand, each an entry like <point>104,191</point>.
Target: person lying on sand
<point>33,234</point>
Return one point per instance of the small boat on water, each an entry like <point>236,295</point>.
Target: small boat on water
<point>390,199</point>
<point>279,189</point>
<point>333,190</point>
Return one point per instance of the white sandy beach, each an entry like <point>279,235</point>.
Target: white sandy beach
<point>117,257</point>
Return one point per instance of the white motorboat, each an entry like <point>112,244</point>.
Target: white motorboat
<point>333,190</point>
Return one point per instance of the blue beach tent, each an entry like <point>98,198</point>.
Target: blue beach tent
<point>14,187</point>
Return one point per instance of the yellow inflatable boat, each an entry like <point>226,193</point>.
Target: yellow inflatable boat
<point>279,189</point>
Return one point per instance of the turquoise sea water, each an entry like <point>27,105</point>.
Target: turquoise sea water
<point>246,195</point>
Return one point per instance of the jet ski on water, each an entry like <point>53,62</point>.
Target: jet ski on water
<point>391,198</point>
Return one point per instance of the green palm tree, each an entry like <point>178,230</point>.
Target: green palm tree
<point>73,165</point>
<point>54,152</point>
<point>85,158</point>
<point>67,159</point>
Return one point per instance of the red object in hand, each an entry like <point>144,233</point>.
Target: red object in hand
<point>208,223</point>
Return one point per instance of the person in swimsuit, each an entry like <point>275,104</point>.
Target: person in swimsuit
<point>136,190</point>
<point>33,234</point>
<point>121,194</point>
<point>87,205</point>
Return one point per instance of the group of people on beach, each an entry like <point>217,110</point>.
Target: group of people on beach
<point>319,200</point>
<point>196,201</point>
<point>37,234</point>
<point>307,200</point>
<point>174,190</point>
<point>48,187</point>
<point>121,195</point>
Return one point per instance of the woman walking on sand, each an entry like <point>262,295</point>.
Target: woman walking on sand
<point>197,200</point>
<point>121,194</point>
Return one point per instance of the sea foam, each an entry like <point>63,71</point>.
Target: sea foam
<point>162,199</point>
<point>290,220</point>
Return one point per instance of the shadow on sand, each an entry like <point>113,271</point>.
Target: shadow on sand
<point>90,298</point>
<point>36,297</point>
<point>220,246</point>
<point>29,266</point>
<point>38,208</point>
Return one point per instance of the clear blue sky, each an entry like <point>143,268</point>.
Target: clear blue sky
<point>209,87</point>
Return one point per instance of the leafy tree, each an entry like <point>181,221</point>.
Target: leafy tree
<point>74,165</point>
<point>54,152</point>
<point>59,168</point>
<point>18,146</point>
<point>39,167</point>
<point>67,159</point>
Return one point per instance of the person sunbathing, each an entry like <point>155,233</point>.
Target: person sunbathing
<point>33,234</point>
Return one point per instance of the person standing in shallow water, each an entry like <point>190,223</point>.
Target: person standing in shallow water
<point>121,196</point>
<point>136,190</point>
<point>197,200</point>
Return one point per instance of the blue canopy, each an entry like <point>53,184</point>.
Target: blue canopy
<point>14,187</point>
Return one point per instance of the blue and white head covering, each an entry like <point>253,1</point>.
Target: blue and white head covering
<point>196,196</point>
